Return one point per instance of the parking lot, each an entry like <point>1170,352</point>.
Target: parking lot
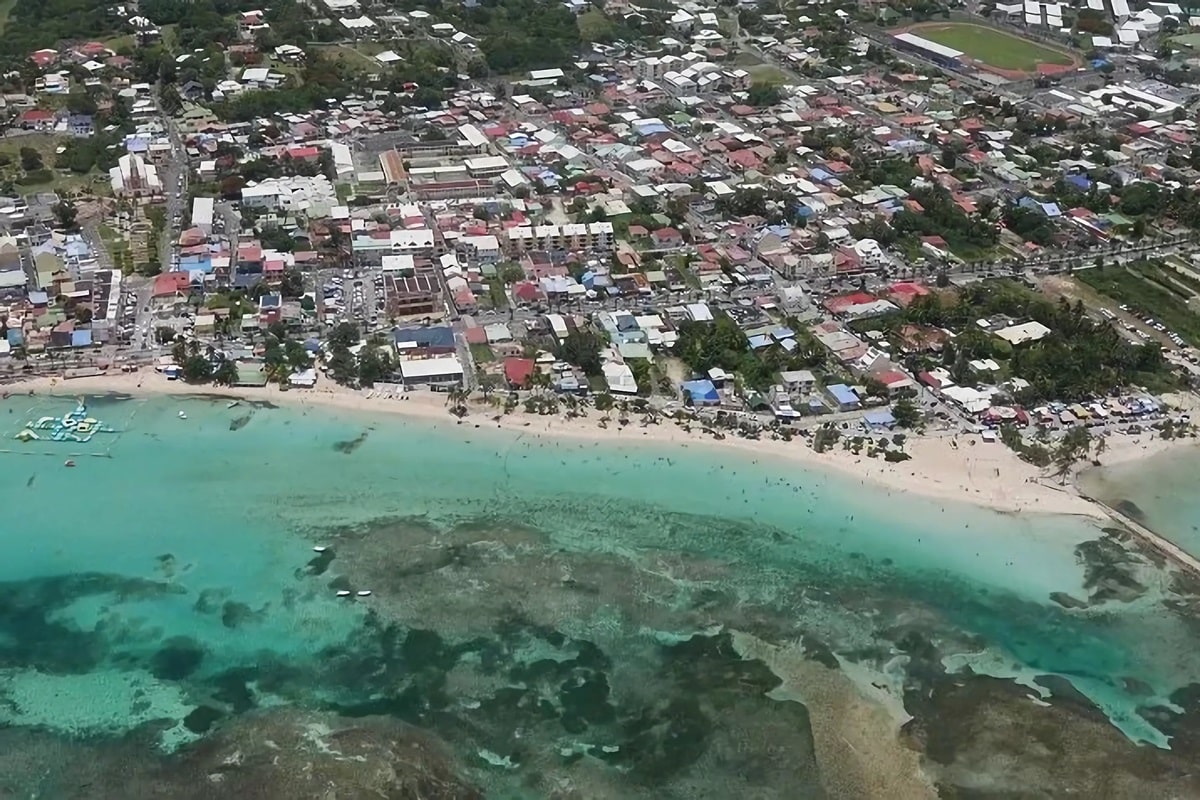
<point>353,296</point>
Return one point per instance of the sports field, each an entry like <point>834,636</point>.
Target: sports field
<point>992,47</point>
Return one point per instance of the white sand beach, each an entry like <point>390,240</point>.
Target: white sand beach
<point>962,468</point>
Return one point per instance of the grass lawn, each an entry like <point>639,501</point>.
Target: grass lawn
<point>767,73</point>
<point>46,144</point>
<point>993,47</point>
<point>482,353</point>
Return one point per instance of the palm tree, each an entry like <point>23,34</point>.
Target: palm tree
<point>604,403</point>
<point>226,373</point>
<point>540,381</point>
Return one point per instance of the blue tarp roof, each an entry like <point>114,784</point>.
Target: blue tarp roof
<point>701,390</point>
<point>14,337</point>
<point>439,336</point>
<point>81,338</point>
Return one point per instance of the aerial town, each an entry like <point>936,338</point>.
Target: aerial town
<point>803,217</point>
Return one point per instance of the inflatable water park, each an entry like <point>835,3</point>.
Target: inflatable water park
<point>74,426</point>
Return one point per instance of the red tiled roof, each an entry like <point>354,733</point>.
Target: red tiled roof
<point>517,371</point>
<point>167,284</point>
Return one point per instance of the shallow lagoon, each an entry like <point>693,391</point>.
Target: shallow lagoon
<point>522,587</point>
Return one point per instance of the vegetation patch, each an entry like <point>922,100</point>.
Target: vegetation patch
<point>1141,287</point>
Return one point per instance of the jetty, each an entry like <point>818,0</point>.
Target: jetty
<point>1168,549</point>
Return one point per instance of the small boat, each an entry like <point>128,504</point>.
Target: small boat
<point>343,593</point>
<point>233,403</point>
<point>182,415</point>
<point>364,593</point>
<point>320,548</point>
<point>69,463</point>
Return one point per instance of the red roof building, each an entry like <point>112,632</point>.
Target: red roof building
<point>35,118</point>
<point>667,237</point>
<point>44,58</point>
<point>836,305</point>
<point>518,371</point>
<point>905,292</point>
<point>171,284</point>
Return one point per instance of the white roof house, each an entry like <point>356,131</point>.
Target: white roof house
<point>1025,332</point>
<point>619,378</point>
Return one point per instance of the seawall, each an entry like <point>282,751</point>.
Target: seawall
<point>1166,548</point>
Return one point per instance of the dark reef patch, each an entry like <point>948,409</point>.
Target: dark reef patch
<point>178,658</point>
<point>201,718</point>
<point>350,445</point>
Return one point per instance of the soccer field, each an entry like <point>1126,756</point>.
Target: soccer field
<point>993,47</point>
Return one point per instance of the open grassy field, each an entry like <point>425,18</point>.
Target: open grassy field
<point>760,72</point>
<point>46,145</point>
<point>993,47</point>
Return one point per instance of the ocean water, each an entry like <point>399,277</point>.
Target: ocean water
<point>1161,489</point>
<point>534,602</point>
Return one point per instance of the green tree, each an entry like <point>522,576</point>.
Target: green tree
<point>906,413</point>
<point>582,347</point>
<point>226,373</point>
<point>197,369</point>
<point>374,364</point>
<point>604,402</point>
<point>1070,449</point>
<point>342,367</point>
<point>762,94</point>
<point>65,216</point>
<point>31,159</point>
<point>345,335</point>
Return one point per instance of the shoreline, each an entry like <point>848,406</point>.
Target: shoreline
<point>961,469</point>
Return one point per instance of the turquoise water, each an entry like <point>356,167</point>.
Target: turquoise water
<point>175,572</point>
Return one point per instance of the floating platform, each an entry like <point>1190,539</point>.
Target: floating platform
<point>74,426</point>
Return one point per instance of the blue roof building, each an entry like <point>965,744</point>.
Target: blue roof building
<point>844,397</point>
<point>1078,181</point>
<point>436,336</point>
<point>881,419</point>
<point>81,338</point>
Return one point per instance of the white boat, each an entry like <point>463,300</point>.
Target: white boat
<point>233,403</point>
<point>343,593</point>
<point>364,593</point>
<point>320,548</point>
<point>182,415</point>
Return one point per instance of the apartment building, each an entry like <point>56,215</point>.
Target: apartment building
<point>590,237</point>
<point>412,296</point>
<point>420,243</point>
